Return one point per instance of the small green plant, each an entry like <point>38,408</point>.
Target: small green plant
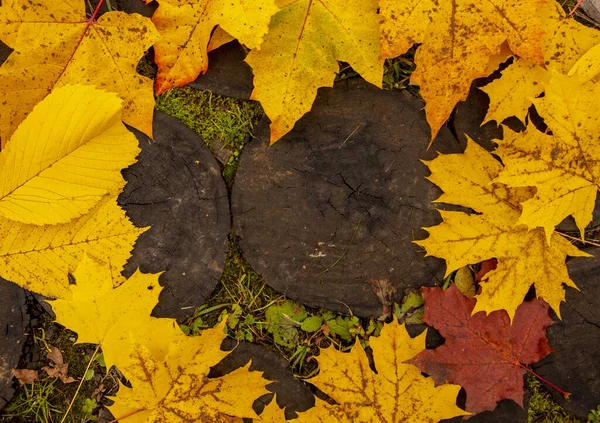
<point>87,410</point>
<point>34,403</point>
<point>594,416</point>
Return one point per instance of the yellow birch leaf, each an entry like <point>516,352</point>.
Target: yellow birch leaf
<point>102,314</point>
<point>396,393</point>
<point>218,38</point>
<point>65,156</point>
<point>40,257</point>
<point>301,51</point>
<point>565,41</point>
<point>524,257</point>
<point>457,40</point>
<point>55,45</point>
<point>563,167</point>
<point>186,26</point>
<point>178,389</point>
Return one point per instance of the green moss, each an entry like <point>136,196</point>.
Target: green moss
<point>542,408</point>
<point>222,122</point>
<point>210,115</point>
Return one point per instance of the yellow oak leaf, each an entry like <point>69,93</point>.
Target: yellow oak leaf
<point>396,393</point>
<point>524,257</point>
<point>40,257</point>
<point>301,51</point>
<point>563,167</point>
<point>457,39</point>
<point>65,156</point>
<point>102,314</point>
<point>565,41</point>
<point>178,388</point>
<point>186,26</point>
<point>55,45</point>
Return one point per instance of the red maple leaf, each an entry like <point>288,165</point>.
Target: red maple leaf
<point>483,354</point>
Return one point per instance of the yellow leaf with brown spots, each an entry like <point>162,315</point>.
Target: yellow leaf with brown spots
<point>565,41</point>
<point>56,44</point>
<point>178,388</point>
<point>101,312</point>
<point>524,257</point>
<point>587,68</point>
<point>301,51</point>
<point>396,393</point>
<point>39,258</point>
<point>511,94</point>
<point>457,39</point>
<point>186,27</point>
<point>563,167</point>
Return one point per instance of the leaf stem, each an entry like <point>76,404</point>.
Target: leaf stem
<point>563,393</point>
<point>575,8</point>
<point>96,11</point>
<point>80,383</point>
<point>578,239</point>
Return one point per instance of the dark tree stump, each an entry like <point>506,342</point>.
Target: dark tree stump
<point>227,74</point>
<point>129,6</point>
<point>5,51</point>
<point>137,6</point>
<point>575,366</point>
<point>467,118</point>
<point>13,321</point>
<point>506,411</point>
<point>291,393</point>
<point>176,187</point>
<point>328,214</point>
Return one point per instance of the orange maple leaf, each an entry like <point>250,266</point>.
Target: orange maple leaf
<point>457,40</point>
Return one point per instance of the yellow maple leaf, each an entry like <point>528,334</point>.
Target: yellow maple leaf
<point>102,314</point>
<point>272,413</point>
<point>396,393</point>
<point>178,388</point>
<point>301,51</point>
<point>218,38</point>
<point>587,67</point>
<point>186,26</point>
<point>564,41</point>
<point>65,156</point>
<point>511,94</point>
<point>457,39</point>
<point>55,45</point>
<point>524,257</point>
<point>563,167</point>
<point>40,257</point>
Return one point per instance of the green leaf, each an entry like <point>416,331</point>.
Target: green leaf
<point>282,322</point>
<point>312,324</point>
<point>100,360</point>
